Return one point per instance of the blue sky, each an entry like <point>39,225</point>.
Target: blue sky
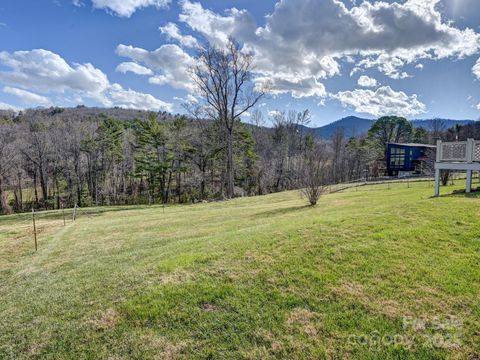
<point>417,58</point>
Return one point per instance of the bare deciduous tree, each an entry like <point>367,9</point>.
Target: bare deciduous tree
<point>223,80</point>
<point>313,171</point>
<point>7,162</point>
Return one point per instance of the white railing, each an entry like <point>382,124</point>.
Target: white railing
<point>460,151</point>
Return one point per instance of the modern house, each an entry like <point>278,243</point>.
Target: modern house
<point>409,159</point>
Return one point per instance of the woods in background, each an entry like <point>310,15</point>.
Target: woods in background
<point>52,158</point>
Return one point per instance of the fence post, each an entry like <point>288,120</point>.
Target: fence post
<point>439,151</point>
<point>437,182</point>
<point>34,229</point>
<point>63,213</point>
<point>470,146</point>
<point>74,212</point>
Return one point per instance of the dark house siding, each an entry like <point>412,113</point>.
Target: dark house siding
<point>405,157</point>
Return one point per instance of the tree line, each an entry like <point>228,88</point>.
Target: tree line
<point>48,161</point>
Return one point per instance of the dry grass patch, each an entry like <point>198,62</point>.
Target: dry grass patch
<point>163,348</point>
<point>107,320</point>
<point>356,293</point>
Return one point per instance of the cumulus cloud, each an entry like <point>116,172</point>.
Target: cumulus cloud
<point>476,69</point>
<point>46,72</point>
<point>43,71</point>
<point>4,106</point>
<point>172,32</point>
<point>303,41</point>
<point>133,68</point>
<point>169,62</point>
<point>27,97</point>
<point>116,95</point>
<point>391,35</point>
<point>274,113</point>
<point>217,28</point>
<point>301,79</point>
<point>126,8</point>
<point>389,65</point>
<point>189,99</point>
<point>367,81</point>
<point>383,101</point>
<point>297,87</point>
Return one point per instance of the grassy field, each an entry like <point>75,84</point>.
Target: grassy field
<point>370,273</point>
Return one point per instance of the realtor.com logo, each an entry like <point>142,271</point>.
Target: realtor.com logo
<point>436,332</point>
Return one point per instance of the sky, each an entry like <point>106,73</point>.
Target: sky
<point>413,58</point>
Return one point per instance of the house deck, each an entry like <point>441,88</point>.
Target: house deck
<point>457,156</point>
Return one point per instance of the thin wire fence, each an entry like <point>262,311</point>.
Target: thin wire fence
<point>24,222</point>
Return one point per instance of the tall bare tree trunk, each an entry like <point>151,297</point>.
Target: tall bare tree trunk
<point>20,193</point>
<point>230,173</point>
<point>4,207</point>
<point>35,185</point>
<point>43,185</point>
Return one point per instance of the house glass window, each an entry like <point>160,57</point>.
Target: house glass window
<point>397,157</point>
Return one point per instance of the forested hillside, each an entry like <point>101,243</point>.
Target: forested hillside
<point>57,157</point>
<point>60,157</point>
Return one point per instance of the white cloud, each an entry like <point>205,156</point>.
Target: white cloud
<point>476,69</point>
<point>303,41</point>
<point>216,28</point>
<point>27,97</point>
<point>169,62</point>
<point>386,64</point>
<point>133,68</point>
<point>367,81</point>
<point>126,8</point>
<point>189,99</point>
<point>274,113</point>
<point>297,87</point>
<point>43,71</point>
<point>116,95</point>
<point>419,66</point>
<point>301,79</point>
<point>46,72</point>
<point>9,107</point>
<point>172,32</point>
<point>78,3</point>
<point>389,35</point>
<point>383,101</point>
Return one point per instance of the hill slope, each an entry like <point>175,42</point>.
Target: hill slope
<point>351,126</point>
<point>263,277</point>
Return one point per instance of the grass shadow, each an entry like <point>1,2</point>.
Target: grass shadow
<point>281,211</point>
<point>475,194</point>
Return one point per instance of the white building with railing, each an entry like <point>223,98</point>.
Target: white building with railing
<point>457,156</point>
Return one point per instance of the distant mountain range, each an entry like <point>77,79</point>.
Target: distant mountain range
<point>355,126</point>
<point>351,125</point>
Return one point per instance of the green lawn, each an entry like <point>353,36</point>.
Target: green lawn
<point>369,273</point>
